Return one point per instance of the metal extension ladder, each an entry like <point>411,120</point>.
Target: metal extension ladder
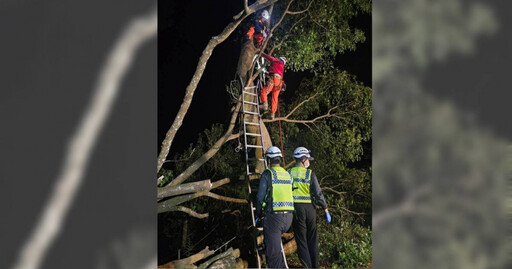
<point>251,93</point>
<point>251,117</point>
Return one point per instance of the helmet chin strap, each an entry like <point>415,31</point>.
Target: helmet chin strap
<point>304,163</point>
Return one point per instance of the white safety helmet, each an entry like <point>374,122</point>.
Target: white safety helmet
<point>265,15</point>
<point>273,152</point>
<point>283,59</point>
<point>301,152</point>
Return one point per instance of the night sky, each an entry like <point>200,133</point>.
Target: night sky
<point>184,28</point>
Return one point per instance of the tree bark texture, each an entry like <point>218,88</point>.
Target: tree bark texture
<point>185,188</point>
<point>170,204</point>
<point>228,253</point>
<point>188,262</point>
<point>245,60</point>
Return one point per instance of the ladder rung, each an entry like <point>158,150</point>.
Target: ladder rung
<point>252,113</point>
<point>254,146</point>
<point>252,134</point>
<point>250,87</point>
<point>250,93</point>
<point>256,159</point>
<point>260,228</point>
<point>252,123</point>
<point>250,103</point>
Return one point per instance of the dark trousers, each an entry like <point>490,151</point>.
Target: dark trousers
<point>306,236</point>
<point>274,225</point>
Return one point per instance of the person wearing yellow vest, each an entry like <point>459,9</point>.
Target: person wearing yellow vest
<point>305,191</point>
<point>275,200</point>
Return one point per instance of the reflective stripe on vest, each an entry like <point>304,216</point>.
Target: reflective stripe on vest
<point>301,184</point>
<point>282,196</point>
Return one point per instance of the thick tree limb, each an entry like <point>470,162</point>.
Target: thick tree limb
<point>185,188</point>
<point>233,136</point>
<point>167,204</point>
<point>206,156</point>
<point>189,91</point>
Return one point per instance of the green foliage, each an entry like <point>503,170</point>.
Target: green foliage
<point>344,245</point>
<point>319,34</point>
<point>337,142</point>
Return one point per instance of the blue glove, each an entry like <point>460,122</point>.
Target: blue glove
<point>327,217</point>
<point>256,220</point>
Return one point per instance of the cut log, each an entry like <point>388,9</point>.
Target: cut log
<point>290,247</point>
<point>189,262</point>
<point>286,236</point>
<point>185,188</point>
<point>228,254</point>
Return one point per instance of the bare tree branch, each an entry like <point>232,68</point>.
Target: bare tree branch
<point>233,136</point>
<point>246,7</point>
<point>353,212</point>
<point>286,36</point>
<point>300,12</point>
<point>403,208</point>
<point>189,211</point>
<point>227,199</point>
<point>183,159</point>
<point>333,190</point>
<point>300,104</point>
<point>285,119</point>
<point>83,140</point>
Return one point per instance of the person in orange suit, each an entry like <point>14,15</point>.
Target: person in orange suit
<point>258,31</point>
<point>274,84</point>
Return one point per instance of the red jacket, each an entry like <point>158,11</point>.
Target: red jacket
<point>276,66</point>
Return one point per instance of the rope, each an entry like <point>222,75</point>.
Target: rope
<point>280,135</point>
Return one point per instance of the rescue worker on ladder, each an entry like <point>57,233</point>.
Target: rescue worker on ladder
<point>258,30</point>
<point>274,84</point>
<point>276,200</point>
<point>306,187</point>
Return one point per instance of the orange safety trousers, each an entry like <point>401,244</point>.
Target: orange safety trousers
<point>258,37</point>
<point>273,85</point>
